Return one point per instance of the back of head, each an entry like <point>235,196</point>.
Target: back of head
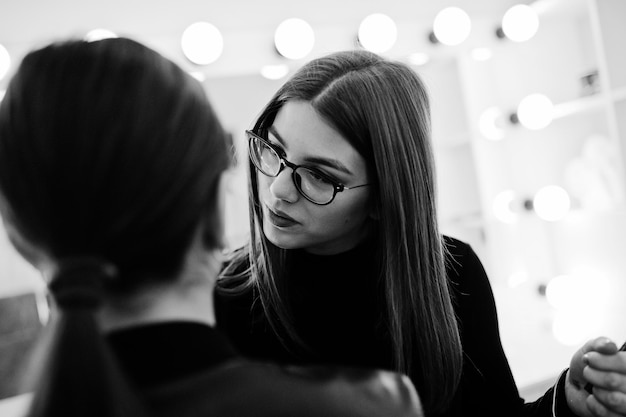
<point>108,151</point>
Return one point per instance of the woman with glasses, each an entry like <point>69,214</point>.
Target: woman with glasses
<point>345,262</point>
<point>111,163</point>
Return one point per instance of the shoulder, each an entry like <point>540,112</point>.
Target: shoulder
<point>259,389</point>
<point>470,287</point>
<point>393,393</point>
<point>458,254</point>
<point>463,267</point>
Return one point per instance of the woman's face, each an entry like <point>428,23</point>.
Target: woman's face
<point>290,221</point>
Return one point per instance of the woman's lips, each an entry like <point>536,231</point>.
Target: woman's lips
<point>280,219</point>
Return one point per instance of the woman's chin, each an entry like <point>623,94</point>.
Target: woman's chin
<point>281,238</point>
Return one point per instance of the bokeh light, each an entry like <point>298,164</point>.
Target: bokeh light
<point>5,61</point>
<point>535,111</point>
<point>490,123</point>
<point>202,43</point>
<point>551,203</point>
<point>274,72</point>
<point>452,26</point>
<point>502,207</point>
<point>99,34</point>
<point>520,23</point>
<point>294,38</point>
<point>377,33</point>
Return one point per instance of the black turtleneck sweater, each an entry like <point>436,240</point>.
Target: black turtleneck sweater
<point>337,306</point>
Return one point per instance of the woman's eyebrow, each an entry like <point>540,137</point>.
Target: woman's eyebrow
<point>279,138</point>
<point>331,163</point>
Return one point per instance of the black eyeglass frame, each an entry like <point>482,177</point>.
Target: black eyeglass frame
<point>337,186</point>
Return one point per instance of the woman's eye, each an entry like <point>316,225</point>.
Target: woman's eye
<point>320,177</point>
<point>279,150</point>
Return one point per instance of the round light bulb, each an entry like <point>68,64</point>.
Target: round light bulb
<point>418,58</point>
<point>294,38</point>
<point>481,54</point>
<point>377,33</point>
<point>520,23</point>
<point>202,43</point>
<point>535,111</point>
<point>490,123</point>
<point>198,75</point>
<point>99,34</point>
<point>5,61</point>
<point>564,292</point>
<point>517,279</point>
<point>502,207</point>
<point>274,72</point>
<point>452,26</point>
<point>551,203</point>
<point>571,328</point>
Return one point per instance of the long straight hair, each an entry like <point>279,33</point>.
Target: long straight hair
<point>107,151</point>
<point>382,108</point>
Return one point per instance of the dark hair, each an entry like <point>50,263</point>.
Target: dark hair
<point>381,107</point>
<point>108,151</point>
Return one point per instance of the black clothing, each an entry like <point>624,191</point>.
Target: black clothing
<point>146,353</point>
<point>185,369</point>
<point>337,311</point>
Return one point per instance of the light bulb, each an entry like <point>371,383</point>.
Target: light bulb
<point>198,75</point>
<point>565,292</point>
<point>502,207</point>
<point>377,33</point>
<point>5,61</point>
<point>520,23</point>
<point>418,58</point>
<point>481,54</point>
<point>490,123</point>
<point>294,38</point>
<point>535,111</point>
<point>571,328</point>
<point>274,72</point>
<point>517,279</point>
<point>551,203</point>
<point>452,26</point>
<point>99,34</point>
<point>202,43</point>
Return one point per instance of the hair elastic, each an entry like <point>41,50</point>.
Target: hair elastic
<point>79,283</point>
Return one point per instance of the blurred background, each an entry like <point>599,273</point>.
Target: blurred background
<point>529,130</point>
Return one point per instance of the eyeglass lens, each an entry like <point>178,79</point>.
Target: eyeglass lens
<point>310,184</point>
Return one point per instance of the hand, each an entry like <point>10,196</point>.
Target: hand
<point>598,362</point>
<point>606,370</point>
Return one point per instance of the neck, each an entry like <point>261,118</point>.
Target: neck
<point>186,297</point>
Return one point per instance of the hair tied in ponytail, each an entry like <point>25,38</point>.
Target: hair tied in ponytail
<point>79,283</point>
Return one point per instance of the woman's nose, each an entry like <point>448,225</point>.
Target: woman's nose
<point>283,188</point>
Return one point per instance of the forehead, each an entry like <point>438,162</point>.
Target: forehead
<point>304,133</point>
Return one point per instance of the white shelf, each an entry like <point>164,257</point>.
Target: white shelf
<point>559,7</point>
<point>587,104</point>
<point>578,106</point>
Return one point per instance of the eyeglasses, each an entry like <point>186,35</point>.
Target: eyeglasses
<point>312,184</point>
